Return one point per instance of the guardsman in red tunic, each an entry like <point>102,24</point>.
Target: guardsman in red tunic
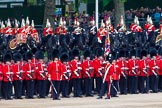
<point>99,68</point>
<point>88,72</point>
<point>30,75</point>
<point>7,76</point>
<point>160,69</point>
<point>55,75</point>
<point>76,72</point>
<point>18,75</point>
<point>41,72</point>
<point>144,73</point>
<point>115,70</point>
<point>102,32</point>
<point>48,30</point>
<point>154,69</point>
<point>34,33</point>
<point>66,74</point>
<point>123,67</point>
<point>1,73</point>
<point>107,79</point>
<point>133,72</point>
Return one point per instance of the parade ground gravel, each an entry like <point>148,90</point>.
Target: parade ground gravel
<point>152,100</point>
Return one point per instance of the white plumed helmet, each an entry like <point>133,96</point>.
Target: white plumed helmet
<point>16,23</point>
<point>22,23</point>
<point>48,23</point>
<point>8,23</point>
<point>32,23</point>
<point>102,23</point>
<point>2,25</point>
<point>27,20</point>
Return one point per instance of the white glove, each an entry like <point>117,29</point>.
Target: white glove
<point>49,78</point>
<point>99,40</point>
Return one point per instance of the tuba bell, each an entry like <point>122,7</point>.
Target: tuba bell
<point>13,43</point>
<point>158,38</point>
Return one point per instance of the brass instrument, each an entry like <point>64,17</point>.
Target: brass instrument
<point>158,38</point>
<point>14,42</point>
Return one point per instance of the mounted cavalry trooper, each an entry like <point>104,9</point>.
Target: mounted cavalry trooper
<point>27,26</point>
<point>92,30</point>
<point>34,33</point>
<point>133,25</point>
<point>16,28</point>
<point>77,33</point>
<point>2,28</point>
<point>8,30</point>
<point>108,25</point>
<point>121,26</point>
<point>101,34</point>
<point>61,32</point>
<point>48,30</point>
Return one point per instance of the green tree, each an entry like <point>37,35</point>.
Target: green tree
<point>49,12</point>
<point>119,10</point>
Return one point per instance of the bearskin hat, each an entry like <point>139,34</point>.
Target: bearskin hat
<point>34,50</point>
<point>99,52</point>
<point>160,51</point>
<point>138,52</point>
<point>64,57</point>
<point>143,53</point>
<point>55,53</point>
<point>122,53</point>
<point>39,54</point>
<point>75,52</point>
<point>7,56</point>
<point>1,56</point>
<point>87,53</point>
<point>29,55</point>
<point>17,56</point>
<point>153,52</point>
<point>132,52</point>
